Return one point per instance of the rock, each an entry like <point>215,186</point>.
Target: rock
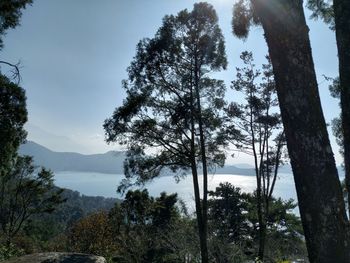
<point>56,257</point>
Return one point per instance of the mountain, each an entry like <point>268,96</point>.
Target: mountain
<point>231,169</point>
<point>110,162</point>
<point>53,141</point>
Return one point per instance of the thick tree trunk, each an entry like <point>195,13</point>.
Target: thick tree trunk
<point>318,188</point>
<point>342,27</point>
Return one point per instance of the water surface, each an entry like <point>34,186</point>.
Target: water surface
<point>99,184</point>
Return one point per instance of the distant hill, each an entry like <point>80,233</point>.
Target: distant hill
<point>231,169</point>
<point>110,162</point>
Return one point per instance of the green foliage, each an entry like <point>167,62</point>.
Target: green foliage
<point>93,235</point>
<point>25,192</point>
<point>322,9</point>
<point>234,223</point>
<point>160,111</point>
<point>145,225</point>
<point>10,14</point>
<point>13,115</point>
<point>226,210</point>
<point>242,18</point>
<point>173,114</point>
<point>255,128</point>
<point>47,231</point>
<point>10,251</point>
<point>245,14</point>
<point>336,123</point>
<point>139,229</point>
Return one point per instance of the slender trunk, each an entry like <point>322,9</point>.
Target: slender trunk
<point>261,195</point>
<point>276,164</point>
<point>342,27</point>
<point>261,216</point>
<point>262,238</point>
<point>199,212</point>
<point>316,179</point>
<point>204,163</point>
<point>258,186</point>
<point>8,242</point>
<point>202,238</point>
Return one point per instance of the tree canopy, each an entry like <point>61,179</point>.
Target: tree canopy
<point>10,14</point>
<point>13,116</point>
<point>172,116</point>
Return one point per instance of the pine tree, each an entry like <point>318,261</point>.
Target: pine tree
<point>171,117</point>
<point>318,188</point>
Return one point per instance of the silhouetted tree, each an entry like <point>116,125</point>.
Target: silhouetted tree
<point>255,128</point>
<point>13,116</point>
<point>25,193</point>
<point>93,234</point>
<point>171,117</point>
<point>10,14</point>
<point>227,207</point>
<point>145,228</point>
<point>318,188</point>
<point>234,221</point>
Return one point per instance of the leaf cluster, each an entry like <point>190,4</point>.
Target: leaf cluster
<point>25,192</point>
<point>322,9</point>
<point>233,219</point>
<point>10,14</point>
<point>13,116</point>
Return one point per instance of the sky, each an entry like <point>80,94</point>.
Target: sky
<point>74,55</point>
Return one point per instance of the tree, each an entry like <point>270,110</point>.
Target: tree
<point>255,128</point>
<point>10,14</point>
<point>318,188</point>
<point>25,193</point>
<point>13,113</point>
<point>336,123</point>
<point>234,221</point>
<point>13,116</point>
<point>93,235</point>
<point>171,117</point>
<point>337,14</point>
<point>145,227</point>
<point>227,206</point>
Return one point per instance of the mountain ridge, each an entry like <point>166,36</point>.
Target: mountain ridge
<point>109,162</point>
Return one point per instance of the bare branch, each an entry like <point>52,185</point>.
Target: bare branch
<point>15,70</point>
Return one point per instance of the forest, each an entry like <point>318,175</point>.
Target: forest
<point>176,119</point>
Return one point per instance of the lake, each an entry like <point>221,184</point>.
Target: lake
<point>99,184</point>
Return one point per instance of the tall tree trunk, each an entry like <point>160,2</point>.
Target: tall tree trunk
<point>318,188</point>
<point>342,27</point>
<point>199,210</point>
<point>204,164</point>
<point>202,237</point>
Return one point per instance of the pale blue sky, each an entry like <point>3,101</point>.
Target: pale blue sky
<point>74,55</point>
